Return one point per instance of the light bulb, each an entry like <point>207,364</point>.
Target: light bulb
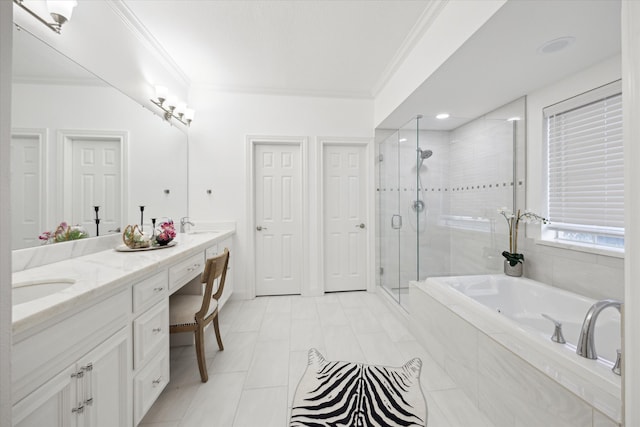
<point>161,93</point>
<point>61,10</point>
<point>171,102</point>
<point>180,108</point>
<point>189,113</point>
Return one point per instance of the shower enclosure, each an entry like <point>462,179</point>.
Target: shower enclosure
<point>438,194</point>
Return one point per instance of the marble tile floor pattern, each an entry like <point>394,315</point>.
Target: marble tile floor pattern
<point>252,382</point>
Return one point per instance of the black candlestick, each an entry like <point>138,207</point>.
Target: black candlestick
<point>141,218</point>
<point>97,208</point>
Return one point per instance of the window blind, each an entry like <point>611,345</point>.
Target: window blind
<point>585,163</point>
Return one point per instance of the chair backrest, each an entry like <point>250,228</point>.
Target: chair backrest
<point>215,267</point>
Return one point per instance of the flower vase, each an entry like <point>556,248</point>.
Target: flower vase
<point>513,270</point>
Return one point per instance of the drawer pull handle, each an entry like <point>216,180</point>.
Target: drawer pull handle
<point>193,268</point>
<point>78,410</point>
<point>156,330</point>
<point>158,289</point>
<point>157,381</point>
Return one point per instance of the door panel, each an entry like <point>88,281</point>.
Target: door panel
<point>96,182</point>
<point>27,202</point>
<point>278,234</point>
<point>345,232</point>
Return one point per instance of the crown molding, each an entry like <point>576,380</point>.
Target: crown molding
<point>143,34</point>
<point>307,93</point>
<point>60,81</point>
<point>427,18</point>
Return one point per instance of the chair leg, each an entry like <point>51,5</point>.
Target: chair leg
<point>216,328</point>
<point>202,362</point>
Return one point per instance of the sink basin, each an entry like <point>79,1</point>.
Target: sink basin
<point>35,289</point>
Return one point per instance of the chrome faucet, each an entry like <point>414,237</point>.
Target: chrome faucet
<point>586,346</point>
<point>183,222</point>
<point>557,332</point>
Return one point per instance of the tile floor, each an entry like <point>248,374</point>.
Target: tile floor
<point>252,382</point>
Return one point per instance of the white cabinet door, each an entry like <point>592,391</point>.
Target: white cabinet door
<point>106,389</point>
<point>93,392</point>
<point>51,404</point>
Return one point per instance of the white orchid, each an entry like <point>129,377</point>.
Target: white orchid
<point>513,221</point>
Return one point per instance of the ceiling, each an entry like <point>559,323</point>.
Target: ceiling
<point>501,62</point>
<point>340,48</point>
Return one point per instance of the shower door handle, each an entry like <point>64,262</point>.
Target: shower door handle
<point>396,222</point>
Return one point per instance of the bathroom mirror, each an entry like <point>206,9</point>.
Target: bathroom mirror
<point>77,142</point>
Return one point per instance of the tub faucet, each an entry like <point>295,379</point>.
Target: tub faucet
<point>586,346</point>
<point>183,222</point>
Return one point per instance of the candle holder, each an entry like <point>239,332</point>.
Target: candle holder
<point>141,218</point>
<point>97,208</point>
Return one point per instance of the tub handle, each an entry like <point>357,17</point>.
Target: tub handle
<point>557,332</point>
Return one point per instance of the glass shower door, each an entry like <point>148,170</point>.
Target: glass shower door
<point>390,220</point>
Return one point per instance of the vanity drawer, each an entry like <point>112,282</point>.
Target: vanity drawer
<point>211,251</point>
<point>148,385</point>
<point>150,291</point>
<point>151,334</point>
<point>186,270</point>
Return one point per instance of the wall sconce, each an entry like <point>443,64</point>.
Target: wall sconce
<point>60,11</point>
<point>172,108</point>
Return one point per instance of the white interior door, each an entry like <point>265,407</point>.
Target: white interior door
<point>278,215</point>
<point>96,178</point>
<point>27,202</point>
<point>345,226</point>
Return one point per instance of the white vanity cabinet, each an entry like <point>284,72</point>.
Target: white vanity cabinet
<point>92,392</point>
<point>102,358</point>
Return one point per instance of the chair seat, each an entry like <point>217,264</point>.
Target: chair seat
<point>182,309</point>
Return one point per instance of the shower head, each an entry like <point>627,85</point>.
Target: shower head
<point>424,154</point>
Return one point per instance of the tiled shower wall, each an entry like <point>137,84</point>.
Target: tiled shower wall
<point>481,177</point>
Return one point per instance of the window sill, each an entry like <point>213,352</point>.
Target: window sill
<point>598,250</point>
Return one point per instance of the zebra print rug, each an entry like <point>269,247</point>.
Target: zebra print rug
<point>354,394</point>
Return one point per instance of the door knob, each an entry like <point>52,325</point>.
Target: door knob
<point>361,225</point>
<point>260,228</point>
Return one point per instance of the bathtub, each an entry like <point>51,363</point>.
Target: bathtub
<point>488,333</point>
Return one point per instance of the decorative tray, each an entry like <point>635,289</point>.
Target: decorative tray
<point>125,248</point>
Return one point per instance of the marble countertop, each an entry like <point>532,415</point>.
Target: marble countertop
<point>100,274</point>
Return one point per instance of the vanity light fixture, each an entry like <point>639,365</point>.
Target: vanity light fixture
<point>442,116</point>
<point>172,108</point>
<point>60,11</point>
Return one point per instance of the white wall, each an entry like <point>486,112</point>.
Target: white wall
<point>631,111</point>
<point>218,158</point>
<point>592,274</point>
<point>6,34</point>
<point>157,151</point>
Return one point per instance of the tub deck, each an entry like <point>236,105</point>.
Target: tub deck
<point>515,377</point>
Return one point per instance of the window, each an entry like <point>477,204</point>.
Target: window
<point>585,174</point>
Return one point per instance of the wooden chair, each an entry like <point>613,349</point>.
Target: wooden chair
<point>193,312</point>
